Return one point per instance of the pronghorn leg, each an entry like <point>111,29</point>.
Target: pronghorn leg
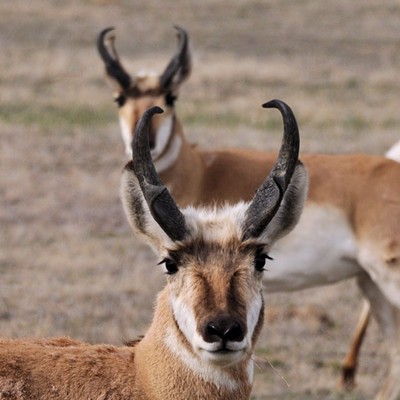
<point>350,361</point>
<point>388,318</point>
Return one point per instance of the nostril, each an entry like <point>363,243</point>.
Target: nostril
<point>214,330</point>
<point>224,330</point>
<point>234,333</point>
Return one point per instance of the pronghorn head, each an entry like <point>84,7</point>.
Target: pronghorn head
<point>134,95</point>
<point>214,258</point>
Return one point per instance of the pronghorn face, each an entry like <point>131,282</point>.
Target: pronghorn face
<point>214,258</point>
<point>214,284</point>
<point>136,94</point>
<point>132,105</point>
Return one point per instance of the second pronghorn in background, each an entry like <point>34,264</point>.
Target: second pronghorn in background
<point>350,225</point>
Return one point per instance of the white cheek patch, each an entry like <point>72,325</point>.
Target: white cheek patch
<point>253,316</point>
<point>126,136</point>
<point>205,371</point>
<point>163,135</point>
<point>169,157</point>
<point>166,150</point>
<point>184,317</point>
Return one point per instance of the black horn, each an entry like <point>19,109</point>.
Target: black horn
<point>113,66</point>
<point>269,195</point>
<point>161,204</point>
<point>180,63</point>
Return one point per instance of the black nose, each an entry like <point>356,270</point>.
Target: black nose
<point>223,328</point>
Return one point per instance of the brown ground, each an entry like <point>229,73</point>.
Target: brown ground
<point>68,262</point>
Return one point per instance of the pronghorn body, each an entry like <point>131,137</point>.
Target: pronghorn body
<point>350,226</point>
<point>350,360</point>
<point>394,152</point>
<point>209,315</point>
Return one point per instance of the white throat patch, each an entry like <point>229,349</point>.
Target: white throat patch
<point>164,158</point>
<point>163,136</point>
<point>126,136</point>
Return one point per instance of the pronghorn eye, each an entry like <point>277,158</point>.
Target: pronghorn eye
<point>259,260</point>
<point>170,265</point>
<point>120,100</point>
<point>170,99</point>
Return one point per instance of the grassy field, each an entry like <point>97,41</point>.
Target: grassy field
<point>68,262</point>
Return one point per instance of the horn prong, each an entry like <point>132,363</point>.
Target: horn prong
<point>161,204</point>
<point>269,195</point>
<point>180,64</point>
<point>113,66</point>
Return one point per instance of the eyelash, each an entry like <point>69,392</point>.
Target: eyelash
<point>260,259</point>
<point>170,265</point>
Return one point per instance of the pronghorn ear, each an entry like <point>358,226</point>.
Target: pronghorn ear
<point>137,211</point>
<point>291,207</point>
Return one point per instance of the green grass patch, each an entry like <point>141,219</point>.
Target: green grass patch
<point>356,123</point>
<point>50,116</point>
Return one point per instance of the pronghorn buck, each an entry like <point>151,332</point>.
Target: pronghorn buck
<point>350,227</point>
<point>209,315</point>
<point>136,94</point>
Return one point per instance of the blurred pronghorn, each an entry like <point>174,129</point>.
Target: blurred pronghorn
<point>350,227</point>
<point>350,360</point>
<point>208,317</point>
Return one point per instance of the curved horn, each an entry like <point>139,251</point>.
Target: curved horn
<point>180,62</point>
<point>269,195</point>
<point>161,204</point>
<point>113,66</point>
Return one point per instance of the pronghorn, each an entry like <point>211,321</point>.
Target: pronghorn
<point>350,360</point>
<point>208,317</point>
<point>350,224</point>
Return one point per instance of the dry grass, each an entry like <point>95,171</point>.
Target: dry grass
<point>68,262</point>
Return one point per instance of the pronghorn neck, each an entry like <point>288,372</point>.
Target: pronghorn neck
<point>185,164</point>
<point>164,348</point>
<point>167,144</point>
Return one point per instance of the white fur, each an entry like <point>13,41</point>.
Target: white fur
<point>206,371</point>
<point>394,152</point>
<point>321,250</point>
<point>185,319</point>
<point>163,136</point>
<point>253,314</point>
<point>126,132</point>
<point>250,371</point>
<point>387,279</point>
<point>170,156</point>
<point>216,225</point>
